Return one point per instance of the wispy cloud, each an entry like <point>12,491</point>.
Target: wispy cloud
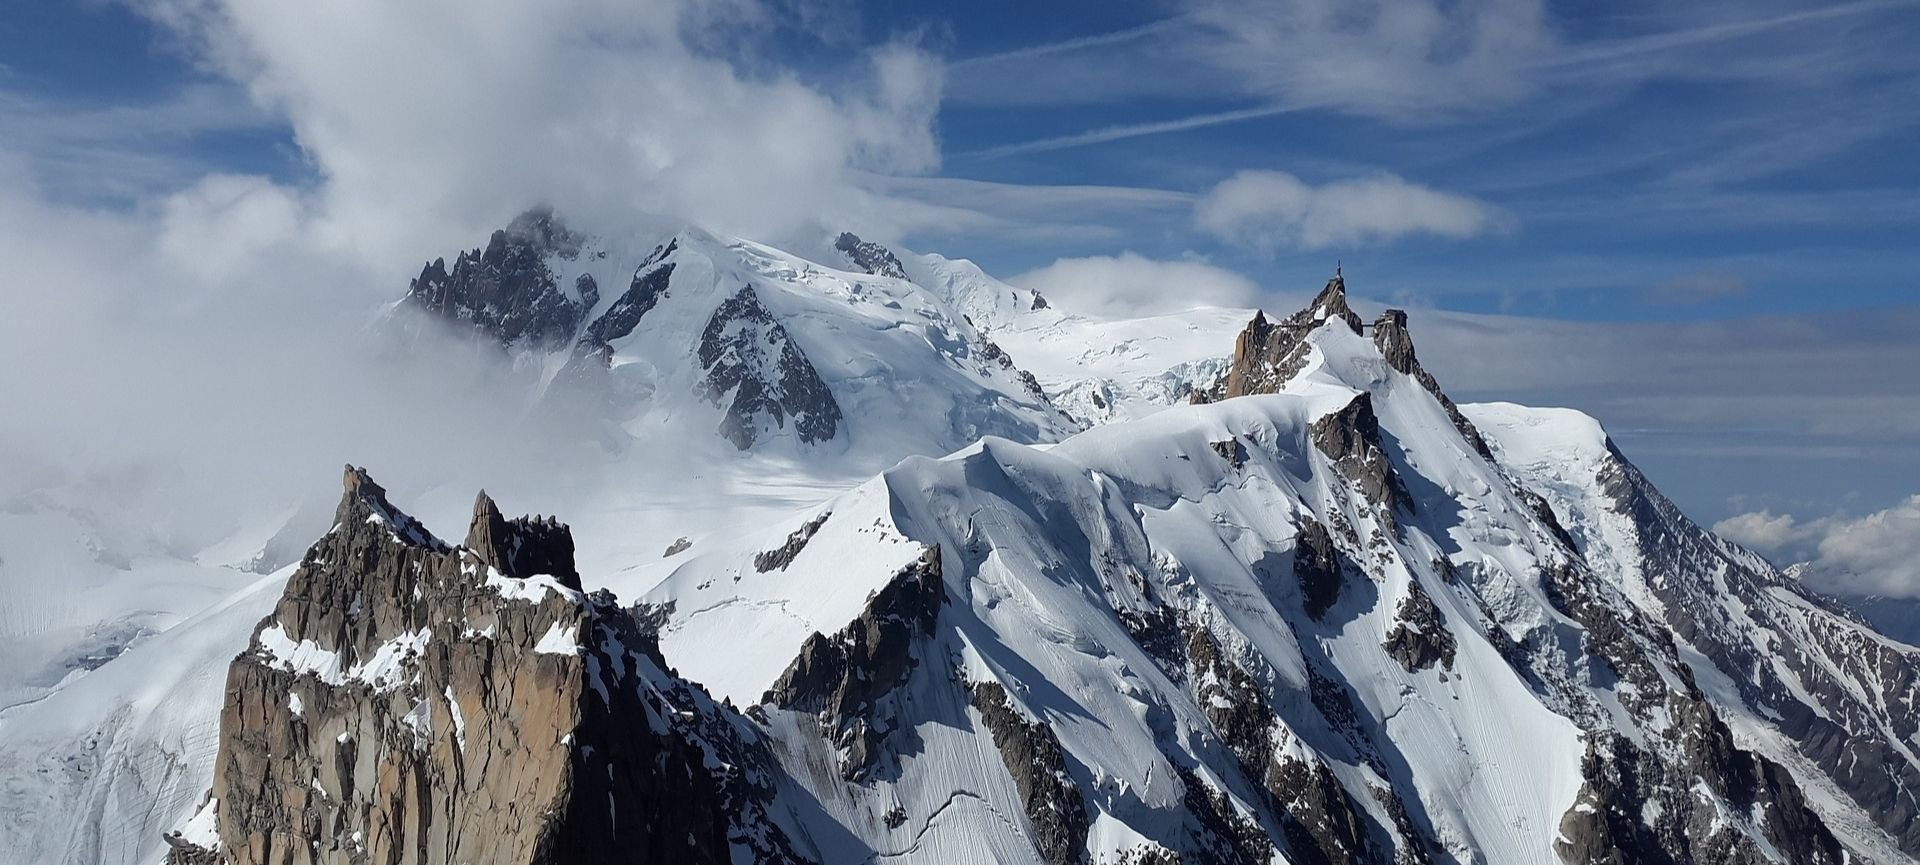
<point>1133,130</point>
<point>1081,43</point>
<point>121,152</point>
<point>1267,210</point>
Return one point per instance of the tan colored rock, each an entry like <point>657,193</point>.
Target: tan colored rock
<point>414,703</point>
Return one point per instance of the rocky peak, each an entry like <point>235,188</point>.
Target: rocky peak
<point>522,547</point>
<point>363,501</point>
<point>869,256</point>
<point>505,290</point>
<point>1329,304</point>
<point>1267,353</point>
<point>1395,343</point>
<point>758,372</point>
<point>410,702</point>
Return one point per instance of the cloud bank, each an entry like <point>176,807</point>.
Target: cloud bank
<point>1876,554</point>
<point>421,119</point>
<point>1132,284</point>
<point>1267,210</point>
<point>201,348</point>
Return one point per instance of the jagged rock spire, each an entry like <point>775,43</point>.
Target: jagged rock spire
<point>391,703</point>
<point>523,546</point>
<point>1267,354</point>
<point>505,291</point>
<point>362,500</point>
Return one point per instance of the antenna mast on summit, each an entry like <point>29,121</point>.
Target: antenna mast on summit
<point>1336,269</point>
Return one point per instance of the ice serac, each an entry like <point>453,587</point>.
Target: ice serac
<point>1799,678</point>
<point>506,291</point>
<point>408,701</point>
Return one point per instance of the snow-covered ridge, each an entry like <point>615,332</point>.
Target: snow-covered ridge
<point>1319,622</point>
<point>1137,599</point>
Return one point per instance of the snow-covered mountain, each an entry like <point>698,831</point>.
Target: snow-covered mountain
<point>1322,615</point>
<point>1096,369</point>
<point>766,348</point>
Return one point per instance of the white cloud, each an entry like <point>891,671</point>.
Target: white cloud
<point>206,349</point>
<point>1267,210</point>
<point>1132,284</point>
<point>1877,554</point>
<point>1397,59</point>
<point>1762,531</point>
<point>430,121</point>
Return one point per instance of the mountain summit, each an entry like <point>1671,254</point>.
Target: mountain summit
<point>774,350</point>
<point>1319,614</point>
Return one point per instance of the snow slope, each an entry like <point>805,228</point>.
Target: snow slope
<point>1134,591</point>
<point>1096,369</point>
<point>1800,678</point>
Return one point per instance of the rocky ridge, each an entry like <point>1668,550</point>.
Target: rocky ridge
<point>409,701</point>
<point>1807,680</point>
<point>1346,520</point>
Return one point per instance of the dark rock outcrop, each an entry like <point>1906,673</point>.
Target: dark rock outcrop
<point>412,702</point>
<point>1267,354</point>
<point>1230,450</point>
<point>505,291</point>
<point>1322,823</point>
<point>1350,438</point>
<point>585,370</point>
<point>780,557</point>
<point>1419,637</point>
<point>1395,342</point>
<point>869,257</point>
<point>1317,566</point>
<point>843,678</point>
<point>760,376</point>
<point>1056,813</point>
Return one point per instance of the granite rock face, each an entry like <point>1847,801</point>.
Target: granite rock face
<point>1268,353</point>
<point>843,679</point>
<point>409,701</point>
<point>761,377</point>
<point>505,291</point>
<point>1395,342</point>
<point>1350,438</point>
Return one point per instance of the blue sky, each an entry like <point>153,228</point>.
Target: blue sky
<point>1717,202</point>
<point>1650,163</point>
